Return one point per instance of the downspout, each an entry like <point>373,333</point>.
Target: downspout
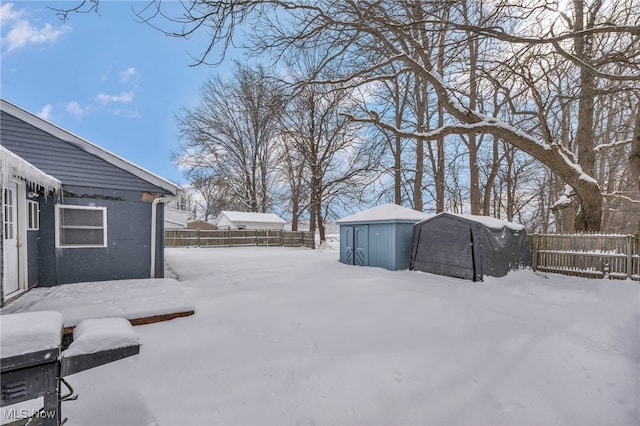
<point>154,214</point>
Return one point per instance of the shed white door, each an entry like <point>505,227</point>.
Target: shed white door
<point>10,276</point>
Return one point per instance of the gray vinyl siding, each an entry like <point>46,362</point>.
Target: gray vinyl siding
<point>64,161</point>
<point>127,255</point>
<point>32,258</point>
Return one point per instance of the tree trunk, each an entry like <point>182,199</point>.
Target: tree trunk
<point>397,155</point>
<point>418,203</point>
<point>511,186</point>
<point>474,172</point>
<point>295,215</point>
<point>634,158</point>
<point>420,98</point>
<point>589,216</point>
<point>316,201</point>
<point>397,172</point>
<point>321,230</point>
<point>474,176</point>
<point>488,189</point>
<point>439,171</point>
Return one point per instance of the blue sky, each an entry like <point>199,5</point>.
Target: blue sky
<point>105,77</point>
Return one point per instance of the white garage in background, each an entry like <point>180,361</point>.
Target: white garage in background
<point>247,220</point>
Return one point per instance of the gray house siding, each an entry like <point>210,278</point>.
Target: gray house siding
<point>61,159</point>
<point>32,255</point>
<point>128,251</point>
<point>86,175</point>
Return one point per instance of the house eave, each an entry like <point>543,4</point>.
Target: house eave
<point>58,132</point>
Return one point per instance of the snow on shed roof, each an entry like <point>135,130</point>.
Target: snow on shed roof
<point>489,222</point>
<point>252,217</point>
<point>386,212</point>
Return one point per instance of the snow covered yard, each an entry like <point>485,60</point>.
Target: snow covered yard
<point>293,337</point>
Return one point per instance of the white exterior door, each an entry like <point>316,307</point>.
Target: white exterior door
<point>11,275</point>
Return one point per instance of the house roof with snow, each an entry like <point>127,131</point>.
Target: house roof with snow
<point>386,213</point>
<point>47,136</point>
<point>251,217</point>
<point>16,167</point>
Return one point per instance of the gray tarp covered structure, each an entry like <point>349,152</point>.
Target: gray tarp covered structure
<point>469,247</point>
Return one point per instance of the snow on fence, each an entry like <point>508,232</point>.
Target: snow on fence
<point>585,255</point>
<point>237,238</point>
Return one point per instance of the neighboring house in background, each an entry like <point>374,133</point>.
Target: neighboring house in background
<point>201,224</point>
<point>176,219</point>
<point>72,211</point>
<point>247,220</point>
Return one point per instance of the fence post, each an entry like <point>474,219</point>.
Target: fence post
<point>534,251</point>
<point>629,256</point>
<point>229,237</point>
<point>256,238</point>
<point>198,237</point>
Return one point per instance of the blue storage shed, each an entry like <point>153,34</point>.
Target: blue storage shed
<point>380,236</point>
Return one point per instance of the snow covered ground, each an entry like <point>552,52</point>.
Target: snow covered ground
<point>292,337</point>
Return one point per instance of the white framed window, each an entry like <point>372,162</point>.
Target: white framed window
<point>81,226</point>
<point>33,220</point>
<point>9,213</point>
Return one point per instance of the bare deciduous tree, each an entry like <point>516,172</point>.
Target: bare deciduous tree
<point>336,160</point>
<point>230,138</point>
<point>594,46</point>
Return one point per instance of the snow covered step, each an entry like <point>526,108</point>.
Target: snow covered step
<point>141,301</point>
<point>97,342</point>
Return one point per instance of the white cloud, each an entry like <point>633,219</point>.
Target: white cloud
<point>7,13</point>
<point>127,74</point>
<point>45,112</point>
<point>124,97</point>
<point>23,33</point>
<point>127,113</point>
<point>77,110</point>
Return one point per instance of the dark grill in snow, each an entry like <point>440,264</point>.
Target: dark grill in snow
<point>34,361</point>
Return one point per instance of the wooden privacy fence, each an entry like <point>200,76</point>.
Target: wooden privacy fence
<point>237,238</point>
<point>583,255</point>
